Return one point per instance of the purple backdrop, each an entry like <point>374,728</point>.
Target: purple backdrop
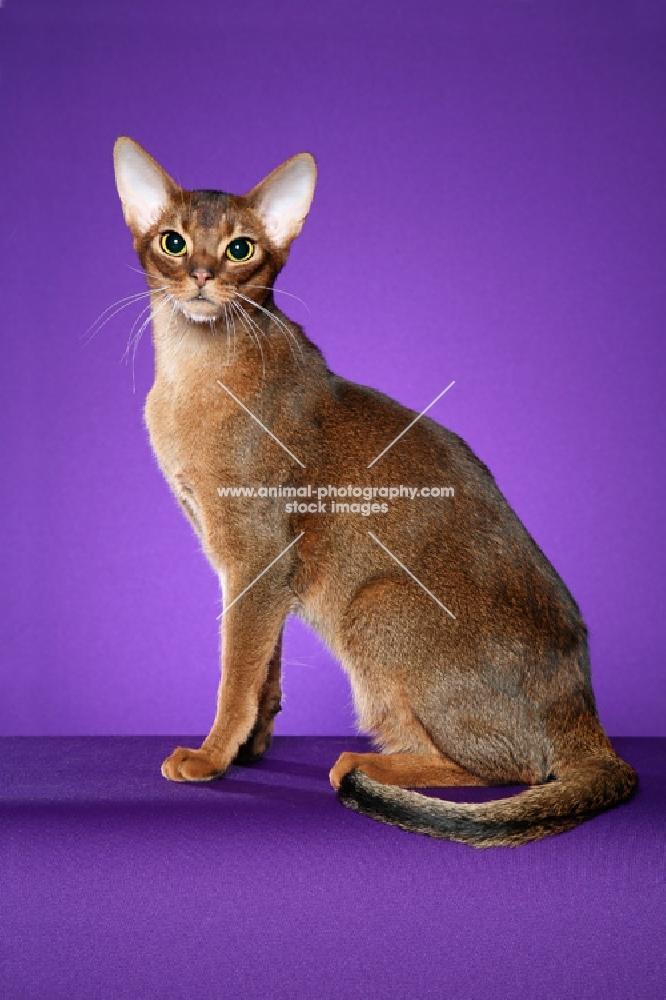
<point>491,209</point>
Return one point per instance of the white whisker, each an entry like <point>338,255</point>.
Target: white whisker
<point>255,325</point>
<point>117,307</point>
<point>281,325</point>
<point>243,317</point>
<point>138,321</point>
<point>139,333</point>
<point>226,323</point>
<point>281,291</point>
<point>233,327</point>
<point>133,329</point>
<point>173,313</point>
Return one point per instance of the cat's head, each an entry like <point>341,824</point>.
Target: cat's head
<point>204,247</point>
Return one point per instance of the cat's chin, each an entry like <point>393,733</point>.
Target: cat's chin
<point>200,310</point>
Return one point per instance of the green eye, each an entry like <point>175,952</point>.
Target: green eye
<point>240,249</point>
<point>173,244</point>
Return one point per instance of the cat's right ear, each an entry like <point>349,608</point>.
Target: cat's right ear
<point>144,188</point>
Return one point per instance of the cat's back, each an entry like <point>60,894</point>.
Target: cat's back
<point>369,421</point>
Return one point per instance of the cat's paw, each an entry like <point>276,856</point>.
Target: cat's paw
<point>191,765</point>
<point>346,762</point>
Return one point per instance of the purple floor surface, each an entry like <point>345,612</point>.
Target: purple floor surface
<point>117,884</point>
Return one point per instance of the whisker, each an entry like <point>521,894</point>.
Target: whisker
<point>134,341</point>
<point>125,298</point>
<point>233,326</point>
<point>269,288</point>
<point>140,334</point>
<point>138,270</point>
<point>134,326</point>
<point>117,307</point>
<point>171,316</point>
<point>281,325</point>
<point>243,317</point>
<point>226,323</point>
<point>248,326</point>
<point>275,319</point>
<point>137,321</point>
<point>243,322</point>
<point>260,332</point>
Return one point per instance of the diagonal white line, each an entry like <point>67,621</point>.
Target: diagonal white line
<point>415,578</point>
<point>260,575</point>
<point>263,426</point>
<point>410,425</point>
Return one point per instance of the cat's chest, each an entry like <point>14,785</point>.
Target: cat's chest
<point>184,424</point>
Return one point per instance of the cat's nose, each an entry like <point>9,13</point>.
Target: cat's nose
<point>201,275</point>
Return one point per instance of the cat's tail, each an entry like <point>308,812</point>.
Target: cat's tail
<point>575,793</point>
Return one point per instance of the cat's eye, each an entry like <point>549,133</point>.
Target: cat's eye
<point>173,244</point>
<point>240,250</point>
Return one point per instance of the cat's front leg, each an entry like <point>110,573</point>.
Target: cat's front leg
<point>270,703</point>
<point>250,642</point>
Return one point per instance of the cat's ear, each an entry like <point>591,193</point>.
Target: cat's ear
<point>284,197</point>
<point>144,188</point>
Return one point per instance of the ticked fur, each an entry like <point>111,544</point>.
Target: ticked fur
<point>499,693</point>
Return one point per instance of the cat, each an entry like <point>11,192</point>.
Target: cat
<point>466,653</point>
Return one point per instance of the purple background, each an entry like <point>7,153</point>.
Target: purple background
<point>491,209</point>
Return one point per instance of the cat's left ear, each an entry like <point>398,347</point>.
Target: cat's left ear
<point>145,189</point>
<point>283,198</point>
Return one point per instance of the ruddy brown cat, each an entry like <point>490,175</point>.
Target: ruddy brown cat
<point>466,653</point>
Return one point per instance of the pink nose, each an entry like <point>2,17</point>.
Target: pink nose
<point>201,275</point>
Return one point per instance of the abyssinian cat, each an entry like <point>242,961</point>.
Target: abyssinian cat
<point>466,653</point>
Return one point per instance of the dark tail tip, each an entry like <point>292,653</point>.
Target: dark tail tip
<point>355,793</point>
<point>348,788</point>
<point>387,803</point>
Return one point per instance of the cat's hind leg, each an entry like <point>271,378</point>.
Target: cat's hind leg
<point>408,770</point>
